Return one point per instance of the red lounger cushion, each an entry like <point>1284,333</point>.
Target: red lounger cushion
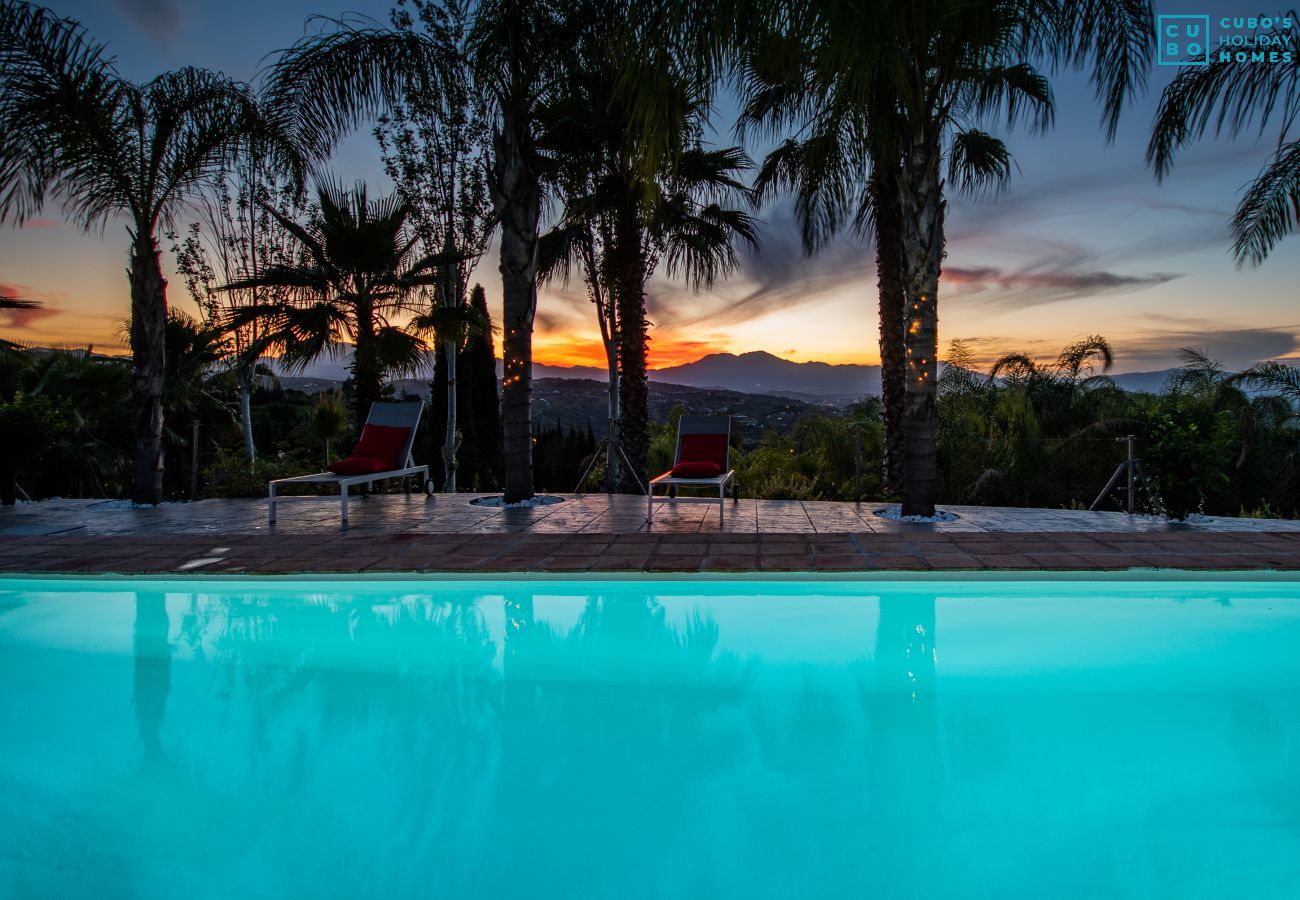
<point>696,470</point>
<point>359,465</point>
<point>701,456</point>
<point>377,451</point>
<point>382,442</point>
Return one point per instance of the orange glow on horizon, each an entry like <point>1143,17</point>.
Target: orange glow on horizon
<point>665,350</point>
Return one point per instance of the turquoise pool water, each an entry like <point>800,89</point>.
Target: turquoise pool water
<point>273,739</point>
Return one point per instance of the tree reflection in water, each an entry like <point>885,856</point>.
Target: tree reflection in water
<point>452,728</point>
<point>152,674</point>
<point>904,763</point>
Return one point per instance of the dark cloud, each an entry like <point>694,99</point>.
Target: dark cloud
<point>1222,214</point>
<point>564,308</point>
<point>1063,273</point>
<point>23,318</point>
<point>159,19</point>
<point>1236,348</point>
<point>778,275</point>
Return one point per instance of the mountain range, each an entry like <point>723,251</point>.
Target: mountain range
<point>756,372</point>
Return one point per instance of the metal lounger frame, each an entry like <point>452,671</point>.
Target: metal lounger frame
<point>695,425</point>
<point>403,414</point>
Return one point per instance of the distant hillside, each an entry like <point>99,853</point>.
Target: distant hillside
<point>1144,382</point>
<point>761,372</point>
<point>747,373</point>
<point>579,402</point>
<point>751,373</point>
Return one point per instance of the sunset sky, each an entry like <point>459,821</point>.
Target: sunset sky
<point>1083,242</point>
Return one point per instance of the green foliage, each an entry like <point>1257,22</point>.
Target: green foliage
<point>814,460</point>
<point>88,455</point>
<point>1184,455</point>
<point>230,474</point>
<point>30,426</point>
<point>329,422</point>
<point>356,270</point>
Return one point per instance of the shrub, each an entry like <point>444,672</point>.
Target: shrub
<point>1184,459</point>
<point>230,475</point>
<point>29,429</point>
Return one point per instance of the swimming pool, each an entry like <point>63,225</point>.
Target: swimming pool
<point>960,738</point>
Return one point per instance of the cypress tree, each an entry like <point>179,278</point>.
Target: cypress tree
<point>483,401</point>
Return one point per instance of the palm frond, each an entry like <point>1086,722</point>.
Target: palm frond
<point>978,162</point>
<point>67,120</point>
<point>330,82</point>
<point>1270,208</point>
<point>1013,367</point>
<point>1273,377</point>
<point>559,250</point>
<point>1225,98</point>
<point>700,243</point>
<point>452,324</point>
<point>395,350</point>
<point>1115,37</point>
<point>1078,357</point>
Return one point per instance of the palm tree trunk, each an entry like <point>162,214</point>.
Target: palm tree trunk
<point>367,378</point>
<point>148,354</point>
<point>519,198</point>
<point>889,281</point>
<point>246,413</point>
<point>629,295</point>
<point>450,441</point>
<point>921,206</point>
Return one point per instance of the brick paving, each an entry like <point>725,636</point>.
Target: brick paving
<point>600,534</point>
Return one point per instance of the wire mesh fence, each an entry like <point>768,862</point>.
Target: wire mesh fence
<point>835,460</point>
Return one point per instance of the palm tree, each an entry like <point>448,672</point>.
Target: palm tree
<point>848,170</point>
<point>1232,97</point>
<point>623,217</point>
<point>332,80</point>
<point>357,270</point>
<point>900,89</point>
<point>75,130</point>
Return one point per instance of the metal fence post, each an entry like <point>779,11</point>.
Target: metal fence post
<point>1130,474</point>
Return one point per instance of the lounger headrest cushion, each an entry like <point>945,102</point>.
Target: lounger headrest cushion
<point>710,448</point>
<point>382,442</point>
<point>696,470</point>
<point>359,465</point>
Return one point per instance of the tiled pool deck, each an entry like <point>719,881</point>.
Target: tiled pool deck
<point>597,533</point>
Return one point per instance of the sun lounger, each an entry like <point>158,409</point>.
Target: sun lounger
<point>383,451</point>
<point>702,460</point>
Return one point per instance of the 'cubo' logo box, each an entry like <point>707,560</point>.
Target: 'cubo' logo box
<point>1184,40</point>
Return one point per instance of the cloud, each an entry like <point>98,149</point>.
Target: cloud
<point>23,318</point>
<point>159,19</point>
<point>1161,346</point>
<point>1061,273</point>
<point>40,224</point>
<point>776,276</point>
